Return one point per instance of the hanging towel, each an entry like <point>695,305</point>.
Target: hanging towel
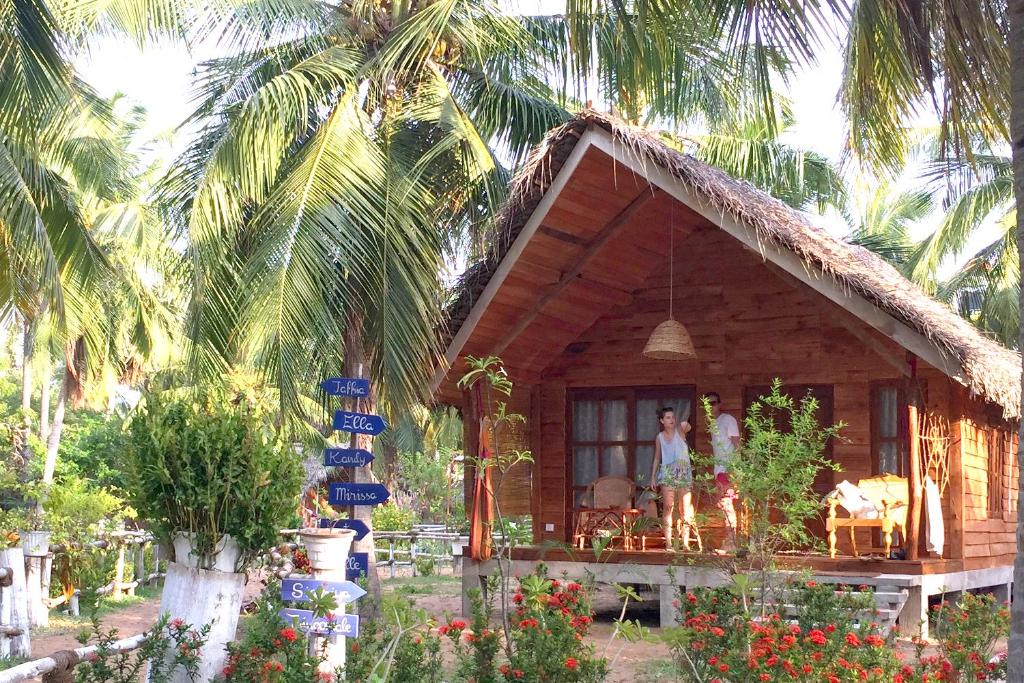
<point>935,531</point>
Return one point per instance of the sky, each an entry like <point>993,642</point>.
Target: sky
<point>159,78</point>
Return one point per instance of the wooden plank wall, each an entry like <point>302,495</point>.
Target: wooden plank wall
<point>985,535</point>
<point>750,324</point>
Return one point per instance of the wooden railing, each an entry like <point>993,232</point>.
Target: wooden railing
<point>65,661</point>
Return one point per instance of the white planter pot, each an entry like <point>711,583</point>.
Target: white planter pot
<point>225,559</point>
<point>35,543</point>
<point>200,597</point>
<point>327,549</point>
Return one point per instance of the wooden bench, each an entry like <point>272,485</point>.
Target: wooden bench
<point>891,497</point>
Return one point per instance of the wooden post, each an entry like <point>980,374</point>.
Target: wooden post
<point>44,582</point>
<point>14,605</point>
<point>140,565</point>
<point>38,615</point>
<point>156,561</point>
<point>119,572</point>
<point>916,484</point>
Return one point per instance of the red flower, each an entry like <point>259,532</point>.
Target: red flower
<point>458,625</point>
<point>574,587</point>
<point>571,664</point>
<point>178,624</point>
<point>517,673</point>
<point>517,598</point>
<point>831,628</point>
<point>289,634</point>
<point>852,639</point>
<point>325,676</point>
<point>723,667</point>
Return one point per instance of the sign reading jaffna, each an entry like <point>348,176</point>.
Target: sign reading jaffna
<point>301,590</point>
<point>356,525</point>
<point>359,423</point>
<point>347,457</point>
<point>346,386</point>
<point>357,494</point>
<point>337,624</point>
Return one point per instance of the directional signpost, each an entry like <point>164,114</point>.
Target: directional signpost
<point>346,386</point>
<point>346,625</point>
<point>357,566</point>
<point>356,525</point>
<point>297,590</point>
<point>359,423</point>
<point>357,494</point>
<point>347,457</point>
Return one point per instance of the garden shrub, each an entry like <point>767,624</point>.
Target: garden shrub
<point>169,636</point>
<point>720,638</point>
<point>967,632</point>
<point>210,462</point>
<point>389,517</point>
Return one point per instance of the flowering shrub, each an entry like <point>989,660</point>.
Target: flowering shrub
<point>551,619</point>
<point>721,639</point>
<point>399,647</point>
<point>271,651</point>
<point>967,632</point>
<point>174,647</point>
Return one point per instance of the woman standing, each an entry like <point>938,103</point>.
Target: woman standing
<point>671,471</point>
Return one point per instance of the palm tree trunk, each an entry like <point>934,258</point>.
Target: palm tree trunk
<point>356,364</point>
<point>44,401</point>
<point>1015,8</point>
<point>53,441</point>
<point>26,367</point>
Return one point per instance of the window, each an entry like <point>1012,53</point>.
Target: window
<point>612,432</point>
<point>823,393</point>
<point>889,433</point>
<point>997,457</point>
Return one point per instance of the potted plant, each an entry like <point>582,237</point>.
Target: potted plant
<point>210,472</point>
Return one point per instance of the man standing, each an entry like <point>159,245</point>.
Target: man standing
<point>725,440</point>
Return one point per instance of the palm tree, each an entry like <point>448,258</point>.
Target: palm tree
<point>1015,10</point>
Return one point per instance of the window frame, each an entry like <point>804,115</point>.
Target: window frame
<point>631,395</point>
<point>902,438</point>
<point>997,492</point>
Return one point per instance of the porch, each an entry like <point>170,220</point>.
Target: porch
<point>902,588</point>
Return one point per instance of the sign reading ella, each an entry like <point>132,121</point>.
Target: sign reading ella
<point>358,566</point>
<point>359,423</point>
<point>357,494</point>
<point>346,386</point>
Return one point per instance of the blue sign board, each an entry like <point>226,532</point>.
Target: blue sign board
<point>357,494</point>
<point>356,525</point>
<point>359,423</point>
<point>295,590</point>
<point>347,457</point>
<point>346,386</point>
<point>358,566</point>
<point>338,624</point>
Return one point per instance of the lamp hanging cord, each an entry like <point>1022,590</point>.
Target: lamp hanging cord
<point>671,257</point>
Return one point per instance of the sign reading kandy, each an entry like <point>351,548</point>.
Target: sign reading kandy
<point>337,624</point>
<point>357,566</point>
<point>357,494</point>
<point>359,423</point>
<point>347,457</point>
<point>356,525</point>
<point>346,386</point>
<point>300,590</point>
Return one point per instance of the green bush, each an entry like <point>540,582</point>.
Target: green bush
<point>390,517</point>
<point>211,462</point>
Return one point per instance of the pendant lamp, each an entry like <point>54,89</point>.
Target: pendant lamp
<point>670,340</point>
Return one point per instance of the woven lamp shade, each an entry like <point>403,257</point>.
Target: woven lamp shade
<point>670,341</point>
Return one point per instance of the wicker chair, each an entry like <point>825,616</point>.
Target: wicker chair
<point>610,511</point>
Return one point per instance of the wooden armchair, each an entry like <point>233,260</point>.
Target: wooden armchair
<point>610,511</point>
<point>890,496</point>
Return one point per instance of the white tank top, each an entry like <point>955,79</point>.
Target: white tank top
<point>673,451</point>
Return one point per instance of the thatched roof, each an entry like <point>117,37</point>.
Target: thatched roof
<point>989,370</point>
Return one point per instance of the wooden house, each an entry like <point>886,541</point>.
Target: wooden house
<point>570,294</point>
